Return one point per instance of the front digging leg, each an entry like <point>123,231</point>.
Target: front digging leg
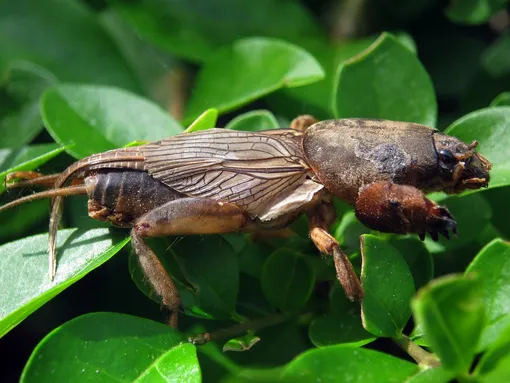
<point>319,220</point>
<point>402,209</point>
<point>184,216</point>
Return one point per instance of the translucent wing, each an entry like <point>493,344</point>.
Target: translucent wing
<point>246,168</point>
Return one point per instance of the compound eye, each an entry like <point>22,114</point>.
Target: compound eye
<point>447,157</point>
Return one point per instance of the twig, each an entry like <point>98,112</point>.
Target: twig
<point>421,356</point>
<point>239,329</point>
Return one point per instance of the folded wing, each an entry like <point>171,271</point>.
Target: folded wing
<point>246,168</point>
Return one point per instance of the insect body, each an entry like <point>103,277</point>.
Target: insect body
<point>220,181</point>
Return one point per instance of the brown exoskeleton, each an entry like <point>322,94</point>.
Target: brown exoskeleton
<point>221,181</point>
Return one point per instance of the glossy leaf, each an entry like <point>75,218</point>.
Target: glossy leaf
<point>473,11</point>
<point>206,272</point>
<point>113,347</point>
<point>496,59</point>
<point>186,28</point>
<point>418,259</point>
<point>432,375</point>
<point>24,282</point>
<point>287,280</point>
<point>489,127</point>
<point>503,99</point>
<point>157,71</point>
<point>492,266</point>
<point>388,285</point>
<point>497,356</point>
<point>254,121</point>
<point>26,158</point>
<point>341,325</point>
<point>451,312</point>
<point>385,81</point>
<point>317,98</point>
<point>206,120</point>
<point>102,118</point>
<point>357,365</point>
<point>470,222</point>
<point>349,231</point>
<point>46,33</point>
<point>231,78</point>
<point>24,83</point>
<point>243,343</point>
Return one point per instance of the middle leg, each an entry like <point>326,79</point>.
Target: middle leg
<point>180,217</point>
<point>319,220</point>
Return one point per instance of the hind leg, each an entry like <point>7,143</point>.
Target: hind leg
<point>180,217</point>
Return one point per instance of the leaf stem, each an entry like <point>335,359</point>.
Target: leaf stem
<point>421,356</point>
<point>233,331</point>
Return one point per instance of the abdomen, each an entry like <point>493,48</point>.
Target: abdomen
<point>121,196</point>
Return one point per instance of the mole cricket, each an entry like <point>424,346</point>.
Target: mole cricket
<point>221,181</point>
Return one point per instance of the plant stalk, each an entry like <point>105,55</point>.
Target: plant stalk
<point>239,329</point>
<point>421,356</point>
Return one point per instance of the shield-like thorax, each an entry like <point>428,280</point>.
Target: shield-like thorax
<point>348,154</point>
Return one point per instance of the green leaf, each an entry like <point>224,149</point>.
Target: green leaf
<point>489,127</point>
<point>154,68</point>
<point>205,270</point>
<point>418,259</point>
<point>24,282</point>
<point>287,280</point>
<point>492,266</point>
<point>26,158</point>
<point>388,286</point>
<point>112,347</point>
<point>473,11</point>
<point>46,34</point>
<point>206,120</point>
<point>497,356</point>
<point>357,365</point>
<point>186,28</point>
<point>385,81</point>
<point>349,231</point>
<point>254,121</point>
<point>102,118</point>
<point>503,99</point>
<point>496,59</point>
<point>341,325</point>
<point>231,77</point>
<point>470,222</point>
<point>243,343</point>
<point>20,124</point>
<point>451,311</point>
<point>317,97</point>
<point>25,83</point>
<point>432,375</point>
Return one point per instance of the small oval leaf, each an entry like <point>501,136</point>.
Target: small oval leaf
<point>24,282</point>
<point>492,266</point>
<point>385,81</point>
<point>388,285</point>
<point>113,347</point>
<point>489,127</point>
<point>287,280</point>
<point>341,325</point>
<point>102,118</point>
<point>357,365</point>
<point>205,270</point>
<point>232,78</point>
<point>451,311</point>
<point>206,120</point>
<point>502,99</point>
<point>25,158</point>
<point>254,121</point>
